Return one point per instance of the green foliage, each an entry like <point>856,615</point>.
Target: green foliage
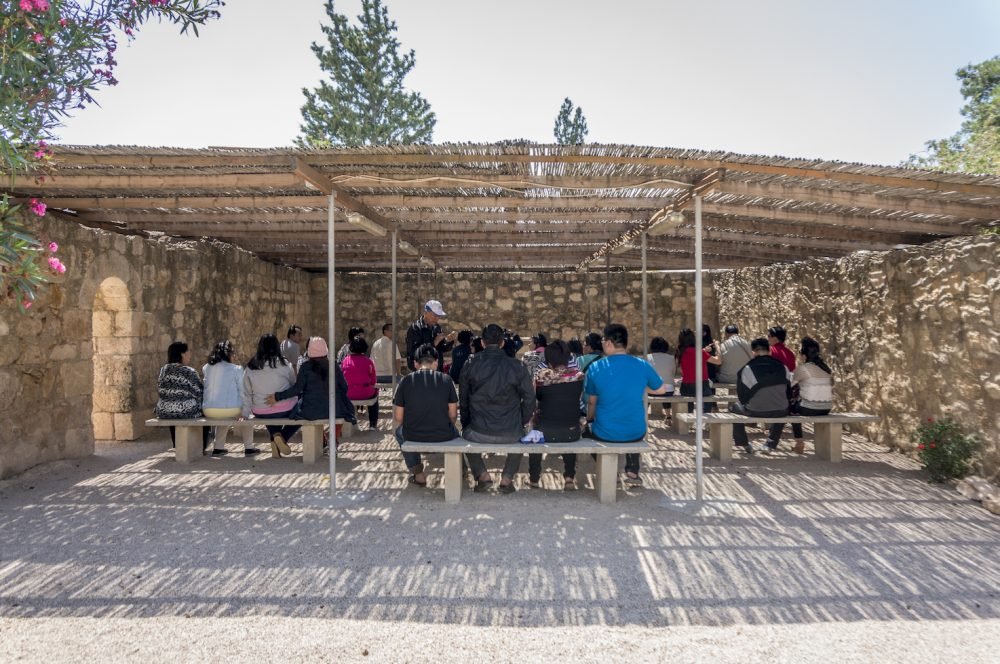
<point>53,55</point>
<point>364,101</point>
<point>975,148</point>
<point>571,126</point>
<point>944,449</point>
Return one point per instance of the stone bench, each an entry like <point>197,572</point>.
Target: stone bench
<point>829,431</point>
<point>607,459</point>
<point>188,439</point>
<point>678,406</point>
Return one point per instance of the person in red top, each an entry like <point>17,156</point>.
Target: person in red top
<point>686,354</point>
<point>359,370</point>
<point>776,340</point>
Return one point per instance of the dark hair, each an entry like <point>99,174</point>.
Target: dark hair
<point>575,346</point>
<point>557,354</point>
<point>778,333</point>
<point>175,352</point>
<point>353,332</point>
<point>540,340</point>
<point>292,330</point>
<point>593,341</point>
<point>477,344</point>
<point>659,345</point>
<point>810,349</point>
<point>222,352</point>
<point>617,334</point>
<point>706,334</point>
<point>465,337</point>
<point>319,366</point>
<point>386,327</point>
<point>732,329</point>
<point>492,335</point>
<point>760,343</point>
<point>358,346</point>
<point>268,353</point>
<point>425,354</point>
<point>685,340</point>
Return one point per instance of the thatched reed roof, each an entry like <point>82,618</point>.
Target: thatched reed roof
<point>514,205</point>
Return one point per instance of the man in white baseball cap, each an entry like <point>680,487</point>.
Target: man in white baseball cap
<point>425,330</point>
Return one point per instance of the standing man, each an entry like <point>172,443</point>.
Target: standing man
<point>291,347</point>
<point>735,352</point>
<point>425,330</point>
<point>615,388</point>
<point>385,355</point>
<point>763,389</point>
<point>496,400</point>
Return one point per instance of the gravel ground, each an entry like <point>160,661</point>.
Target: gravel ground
<point>127,556</point>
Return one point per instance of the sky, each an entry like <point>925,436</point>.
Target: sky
<point>865,81</point>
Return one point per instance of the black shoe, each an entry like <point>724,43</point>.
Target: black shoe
<point>251,451</point>
<point>747,449</point>
<point>482,486</point>
<point>507,488</point>
<point>220,452</point>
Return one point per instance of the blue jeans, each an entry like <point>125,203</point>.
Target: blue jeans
<point>286,431</point>
<point>412,459</point>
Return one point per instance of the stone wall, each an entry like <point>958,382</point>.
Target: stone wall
<point>910,334</point>
<point>560,305</point>
<point>94,343</point>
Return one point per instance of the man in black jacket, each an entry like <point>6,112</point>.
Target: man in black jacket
<point>763,389</point>
<point>425,330</point>
<point>496,400</point>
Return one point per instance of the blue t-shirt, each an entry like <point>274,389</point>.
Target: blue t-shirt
<point>620,382</point>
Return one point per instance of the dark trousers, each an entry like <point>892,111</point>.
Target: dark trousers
<point>412,459</point>
<point>802,410</point>
<point>688,390</point>
<point>204,436</point>
<point>511,464</point>
<point>535,466</point>
<point>631,460</point>
<point>286,431</point>
<point>740,430</point>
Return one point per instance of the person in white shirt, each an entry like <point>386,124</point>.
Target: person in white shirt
<point>223,397</point>
<point>385,355</point>
<point>291,348</point>
<point>812,384</point>
<point>735,352</point>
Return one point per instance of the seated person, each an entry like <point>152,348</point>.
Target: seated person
<point>362,381</point>
<point>616,387</point>
<point>812,387</point>
<point>557,390</point>
<point>496,401</point>
<point>763,390</point>
<point>425,408</point>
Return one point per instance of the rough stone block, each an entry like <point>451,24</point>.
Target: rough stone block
<point>4,328</point>
<point>29,327</point>
<point>63,352</point>
<point>129,426</point>
<point>113,400</point>
<point>129,324</point>
<point>77,378</point>
<point>104,323</point>
<point>992,504</point>
<point>117,345</point>
<point>104,425</point>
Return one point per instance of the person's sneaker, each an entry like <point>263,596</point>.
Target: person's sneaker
<point>482,486</point>
<point>768,450</point>
<point>632,479</point>
<point>251,451</point>
<point>747,449</point>
<point>222,452</point>
<point>569,484</point>
<point>507,488</point>
<point>535,484</point>
<point>282,446</point>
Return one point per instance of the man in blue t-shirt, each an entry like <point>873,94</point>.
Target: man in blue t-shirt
<point>615,388</point>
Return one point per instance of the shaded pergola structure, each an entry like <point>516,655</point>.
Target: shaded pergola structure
<point>522,206</point>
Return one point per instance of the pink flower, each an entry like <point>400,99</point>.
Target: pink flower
<point>53,247</point>
<point>61,269</point>
<point>39,154</point>
<point>37,207</point>
<point>920,446</point>
<point>54,263</point>
<point>158,3</point>
<point>26,304</point>
<point>26,5</point>
<point>41,5</point>
<point>63,22</point>
<point>38,38</point>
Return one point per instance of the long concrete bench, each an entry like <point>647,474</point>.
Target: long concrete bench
<point>829,431</point>
<point>188,438</point>
<point>607,460</point>
<point>678,406</point>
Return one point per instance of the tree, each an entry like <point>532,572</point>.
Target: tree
<point>975,148</point>
<point>53,55</point>
<point>571,127</point>
<point>364,102</point>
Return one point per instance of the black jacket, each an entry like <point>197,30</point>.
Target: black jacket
<point>315,403</point>
<point>420,333</point>
<point>496,396</point>
<point>763,388</point>
<point>459,356</point>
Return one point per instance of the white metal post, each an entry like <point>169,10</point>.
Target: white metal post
<point>392,353</point>
<point>331,329</point>
<point>645,303</point>
<point>698,377</point>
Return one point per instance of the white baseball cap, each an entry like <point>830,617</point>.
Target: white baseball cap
<point>435,308</point>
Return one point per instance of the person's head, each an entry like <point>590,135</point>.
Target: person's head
<point>706,334</point>
<point>223,352</point>
<point>295,334</point>
<point>477,344</point>
<point>317,348</point>
<point>732,329</point>
<point>433,311</point>
<point>387,330</point>
<point>268,353</point>
<point>593,341</point>
<point>809,349</point>
<point>557,354</point>
<point>358,346</point>
<point>177,353</point>
<point>575,347</point>
<point>426,356</point>
<point>776,335</point>
<point>615,336</point>
<point>659,345</point>
<point>759,346</point>
<point>539,341</point>
<point>465,337</point>
<point>685,340</point>
<point>354,333</point>
<point>492,335</point>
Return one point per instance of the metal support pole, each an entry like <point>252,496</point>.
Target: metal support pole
<point>420,293</point>
<point>395,366</point>
<point>331,334</point>
<point>607,284</point>
<point>698,378</point>
<point>645,302</point>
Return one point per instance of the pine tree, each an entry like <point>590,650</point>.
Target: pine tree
<point>364,101</point>
<point>571,127</point>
